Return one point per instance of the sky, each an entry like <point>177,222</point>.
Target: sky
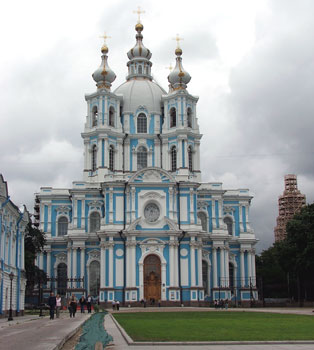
<point>252,66</point>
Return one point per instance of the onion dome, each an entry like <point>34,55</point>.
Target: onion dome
<point>179,78</point>
<point>104,75</point>
<point>139,64</point>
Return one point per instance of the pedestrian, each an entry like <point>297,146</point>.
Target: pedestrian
<point>113,304</point>
<point>82,304</point>
<point>58,305</point>
<point>118,304</point>
<point>52,304</point>
<point>226,304</point>
<point>89,303</point>
<point>72,306</point>
<point>216,304</point>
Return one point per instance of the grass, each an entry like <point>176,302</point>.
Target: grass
<point>216,326</point>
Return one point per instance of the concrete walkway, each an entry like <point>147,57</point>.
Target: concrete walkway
<point>120,342</point>
<point>34,333</point>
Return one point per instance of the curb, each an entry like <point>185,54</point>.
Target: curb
<point>130,341</point>
<point>69,335</point>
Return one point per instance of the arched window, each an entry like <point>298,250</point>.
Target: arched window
<point>94,158</point>
<point>94,222</point>
<point>190,156</point>
<point>94,278</point>
<point>228,221</point>
<point>140,70</point>
<point>94,116</point>
<point>62,226</point>
<point>62,278</point>
<point>202,216</point>
<point>173,117</point>
<point>141,124</point>
<point>231,278</point>
<point>173,158</point>
<point>132,69</point>
<point>111,158</point>
<point>189,117</point>
<point>111,116</point>
<point>205,276</point>
<point>141,158</point>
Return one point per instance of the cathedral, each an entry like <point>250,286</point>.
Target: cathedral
<point>141,226</point>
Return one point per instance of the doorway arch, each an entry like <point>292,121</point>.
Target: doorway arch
<point>152,279</point>
<point>94,278</point>
<point>62,276</point>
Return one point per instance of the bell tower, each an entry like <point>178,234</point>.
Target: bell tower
<point>180,129</point>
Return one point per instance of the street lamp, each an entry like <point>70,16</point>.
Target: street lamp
<point>11,275</point>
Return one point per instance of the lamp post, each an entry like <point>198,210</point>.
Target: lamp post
<point>11,275</point>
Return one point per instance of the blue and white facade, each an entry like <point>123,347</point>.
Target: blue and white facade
<point>13,223</point>
<point>141,224</point>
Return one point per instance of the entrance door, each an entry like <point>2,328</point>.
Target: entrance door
<point>152,279</point>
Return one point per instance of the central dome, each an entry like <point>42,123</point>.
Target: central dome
<point>141,92</point>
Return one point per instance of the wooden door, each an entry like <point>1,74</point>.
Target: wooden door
<point>152,279</point>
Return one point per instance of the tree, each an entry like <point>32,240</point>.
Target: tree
<point>297,250</point>
<point>34,242</point>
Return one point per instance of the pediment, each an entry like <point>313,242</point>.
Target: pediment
<point>152,175</point>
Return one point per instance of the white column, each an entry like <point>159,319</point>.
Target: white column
<point>83,266</point>
<point>253,269</point>
<point>242,268</point>
<point>171,260</point>
<point>111,244</point>
<point>48,266</point>
<point>133,264</point>
<point>49,219</point>
<point>192,254</point>
<point>175,264</point>
<point>214,263</point>
<point>227,267</point>
<point>74,262</point>
<point>192,206</point>
<point>249,264</point>
<point>102,265</point>
<point>141,271</point>
<point>128,264</point>
<point>171,202</point>
<point>22,255</point>
<point>163,280</point>
<point>69,275</point>
<point>111,205</point>
<point>213,209</point>
<point>222,268</point>
<point>200,265</point>
<point>133,202</point>
<point>41,260</point>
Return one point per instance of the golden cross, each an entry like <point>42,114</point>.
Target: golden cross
<point>170,67</point>
<point>105,37</point>
<point>177,38</point>
<point>139,11</point>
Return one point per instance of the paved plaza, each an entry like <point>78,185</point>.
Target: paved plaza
<point>34,333</point>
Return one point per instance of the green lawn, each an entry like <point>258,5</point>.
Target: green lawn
<point>215,326</point>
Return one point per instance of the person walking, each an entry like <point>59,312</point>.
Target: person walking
<point>118,305</point>
<point>89,303</point>
<point>82,304</point>
<point>72,306</point>
<point>58,305</point>
<point>52,304</point>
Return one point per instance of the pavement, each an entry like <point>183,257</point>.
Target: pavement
<point>39,333</point>
<point>34,333</point>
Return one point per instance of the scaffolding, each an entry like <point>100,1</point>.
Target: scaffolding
<point>289,203</point>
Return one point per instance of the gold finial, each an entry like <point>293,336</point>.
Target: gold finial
<point>104,48</point>
<point>178,39</point>
<point>105,37</point>
<point>139,11</point>
<point>170,67</point>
